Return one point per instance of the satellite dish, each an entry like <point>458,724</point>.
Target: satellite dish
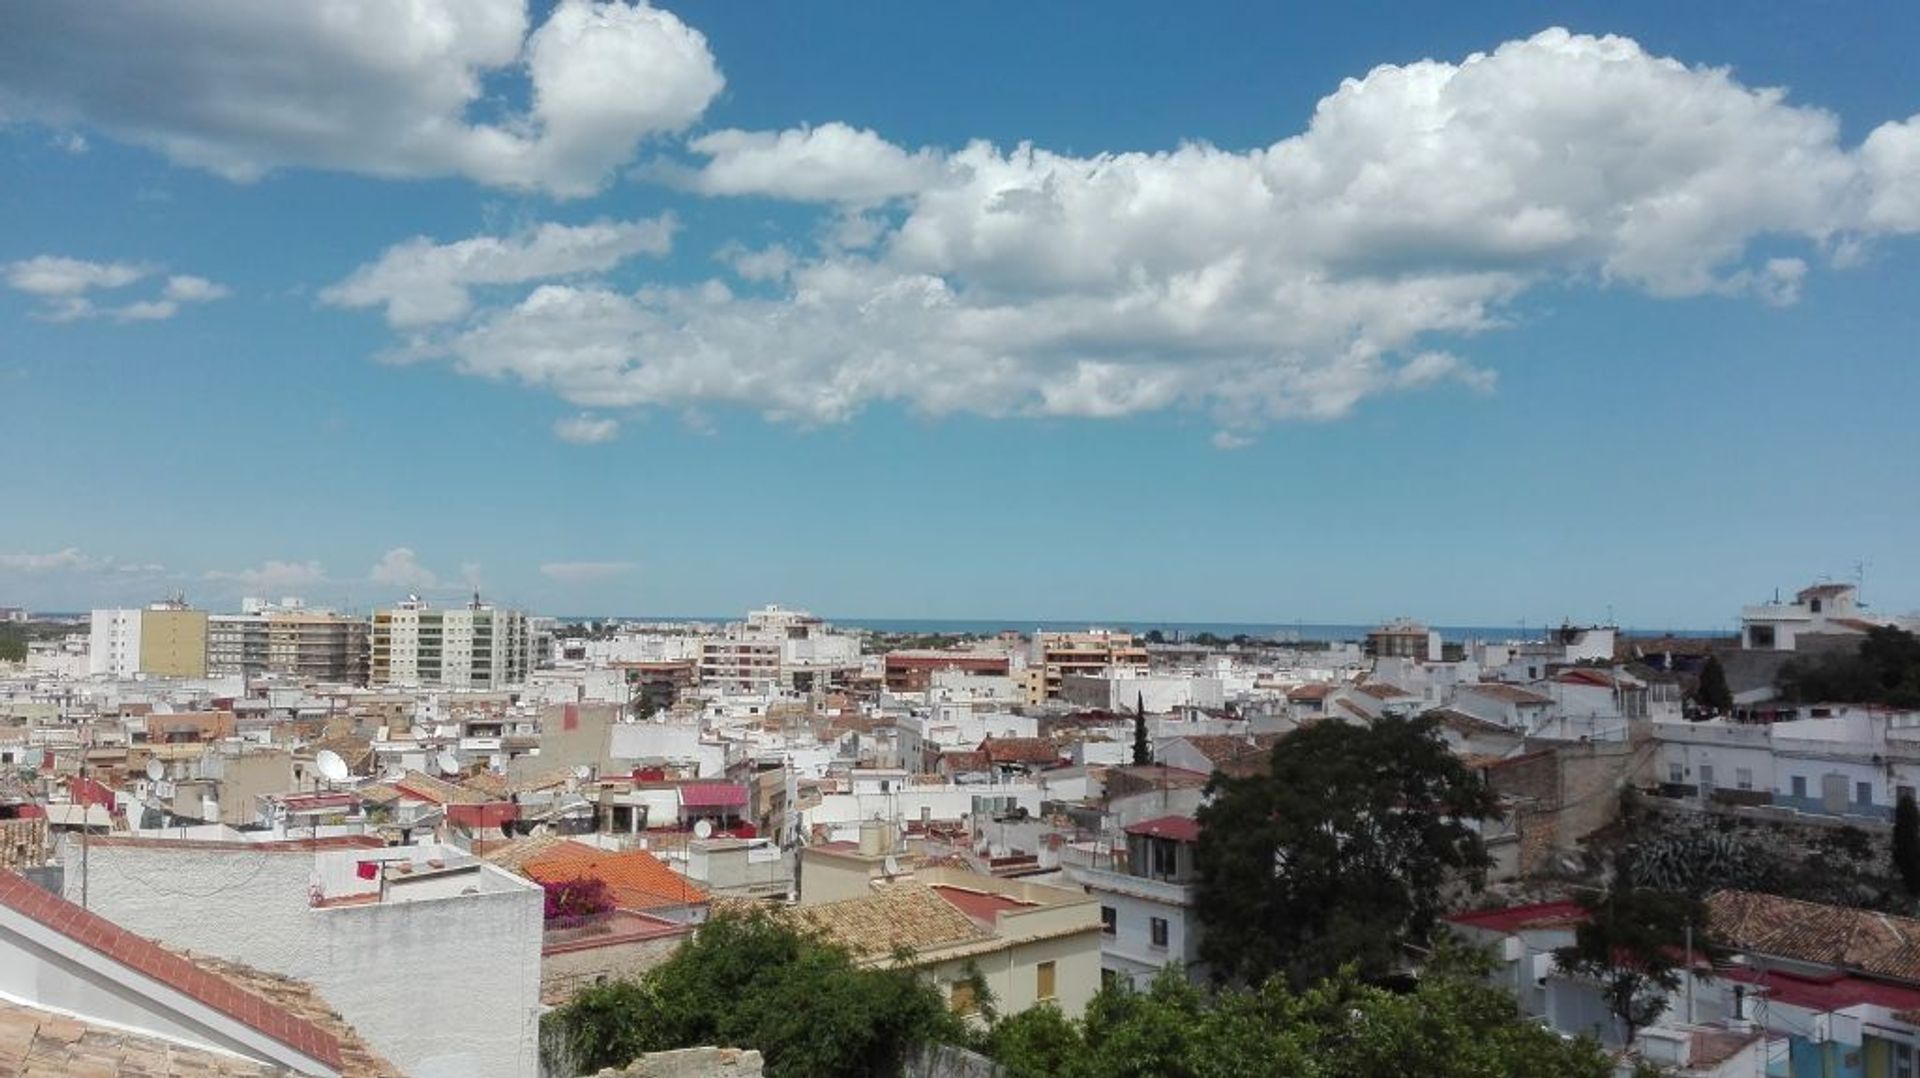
<point>330,765</point>
<point>703,829</point>
<point>448,763</point>
<point>156,770</point>
<point>582,772</point>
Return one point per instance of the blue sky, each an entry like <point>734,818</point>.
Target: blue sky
<point>719,304</point>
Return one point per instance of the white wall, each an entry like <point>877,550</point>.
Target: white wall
<point>442,987</point>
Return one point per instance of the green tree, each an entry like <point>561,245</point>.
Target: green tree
<point>1142,751</point>
<point>1906,843</point>
<point>1885,669</point>
<point>1449,1026</point>
<point>1635,945</point>
<point>749,981</point>
<point>1339,853</point>
<point>1713,693</point>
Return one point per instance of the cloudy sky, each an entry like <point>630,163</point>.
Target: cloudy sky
<point>1070,311</point>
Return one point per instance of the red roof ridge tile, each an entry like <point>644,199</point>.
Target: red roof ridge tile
<point>98,934</point>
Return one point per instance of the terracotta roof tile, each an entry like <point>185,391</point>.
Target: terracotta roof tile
<point>637,879</point>
<point>1020,750</point>
<point>1878,944</point>
<point>905,915</point>
<point>182,974</point>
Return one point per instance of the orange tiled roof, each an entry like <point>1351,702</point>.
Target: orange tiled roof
<point>637,879</point>
<point>1877,944</point>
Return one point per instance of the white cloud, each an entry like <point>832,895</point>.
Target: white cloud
<point>421,282</point>
<point>55,276</point>
<point>71,142</point>
<point>185,288</point>
<point>586,429</point>
<point>363,85</point>
<point>73,560</point>
<point>1228,440</point>
<point>273,577</point>
<point>1296,280</point>
<point>67,559</point>
<point>829,163</point>
<point>62,286</point>
<point>580,572</point>
<point>399,568</point>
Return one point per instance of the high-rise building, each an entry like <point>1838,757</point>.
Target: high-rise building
<point>472,647</point>
<point>289,639</point>
<point>166,639</point>
<point>1095,652</point>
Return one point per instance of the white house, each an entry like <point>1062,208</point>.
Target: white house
<point>1146,902</point>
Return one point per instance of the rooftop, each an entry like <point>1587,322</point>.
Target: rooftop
<point>1178,828</point>
<point>636,879</point>
<point>1512,919</point>
<point>1861,941</point>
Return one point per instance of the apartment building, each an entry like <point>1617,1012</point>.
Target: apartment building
<point>1093,653</point>
<point>477,646</point>
<point>288,639</point>
<point>167,639</point>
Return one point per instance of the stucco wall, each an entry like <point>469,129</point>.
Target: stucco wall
<point>442,987</point>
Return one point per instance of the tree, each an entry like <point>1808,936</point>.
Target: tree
<point>750,981</point>
<point>1885,669</point>
<point>1713,694</point>
<point>1339,853</point>
<point>1634,944</point>
<point>1449,1026</point>
<point>1142,751</point>
<point>1906,843</point>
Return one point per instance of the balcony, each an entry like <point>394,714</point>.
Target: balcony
<point>1161,891</point>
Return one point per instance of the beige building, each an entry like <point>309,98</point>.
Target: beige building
<point>475,646</point>
<point>163,640</point>
<point>316,645</point>
<point>1026,943</point>
<point>1096,652</point>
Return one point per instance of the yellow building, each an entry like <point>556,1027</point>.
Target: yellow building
<point>173,641</point>
<point>1095,653</point>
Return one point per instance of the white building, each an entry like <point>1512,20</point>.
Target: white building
<point>1146,901</point>
<point>473,647</point>
<point>363,924</point>
<point>1850,761</point>
<point>114,649</point>
<point>1820,610</point>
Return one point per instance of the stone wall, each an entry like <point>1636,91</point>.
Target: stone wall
<point>692,1063</point>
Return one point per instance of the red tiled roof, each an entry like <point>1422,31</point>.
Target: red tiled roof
<point>981,906</point>
<point>1020,750</point>
<point>1516,918</point>
<point>1178,828</point>
<point>636,879</point>
<point>1512,694</point>
<point>148,958</point>
<point>713,795</point>
<point>1825,993</point>
<point>1309,692</point>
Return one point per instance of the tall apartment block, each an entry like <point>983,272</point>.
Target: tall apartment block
<point>472,647</point>
<point>162,640</point>
<point>317,645</point>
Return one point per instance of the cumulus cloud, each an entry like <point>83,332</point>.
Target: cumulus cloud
<point>399,568</point>
<point>72,560</point>
<point>829,163</point>
<point>586,429</point>
<point>421,282</point>
<point>580,572</point>
<point>274,577</point>
<point>62,285</point>
<point>65,559</point>
<point>1356,258</point>
<point>53,276</point>
<point>363,85</point>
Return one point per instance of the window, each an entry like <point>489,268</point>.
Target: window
<point>1108,977</point>
<point>1743,777</point>
<point>1159,931</point>
<point>1706,776</point>
<point>1863,792</point>
<point>960,998</point>
<point>1043,981</point>
<point>1676,774</point>
<point>1109,920</point>
<point>1903,793</point>
<point>1813,607</point>
<point>1165,851</point>
<point>1760,636</point>
<point>1799,786</point>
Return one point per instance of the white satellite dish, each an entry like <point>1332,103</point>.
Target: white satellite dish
<point>448,763</point>
<point>582,772</point>
<point>330,765</point>
<point>156,770</point>
<point>703,829</point>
